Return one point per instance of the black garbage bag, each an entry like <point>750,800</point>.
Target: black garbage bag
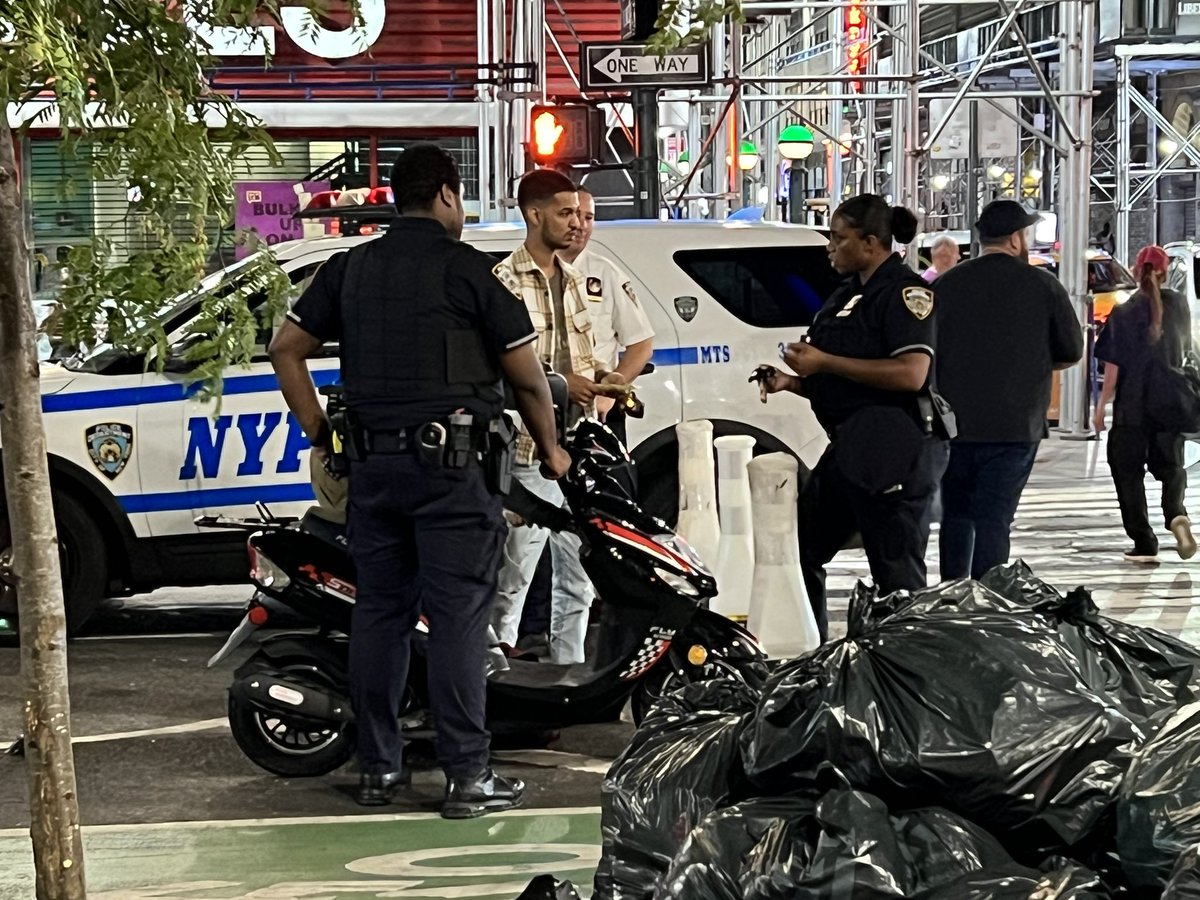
<point>958,697</point>
<point>1158,810</point>
<point>547,887</point>
<point>847,846</point>
<point>683,763</point>
<point>1147,673</point>
<point>1185,880</point>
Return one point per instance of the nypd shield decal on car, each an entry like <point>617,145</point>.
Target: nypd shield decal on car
<point>110,447</point>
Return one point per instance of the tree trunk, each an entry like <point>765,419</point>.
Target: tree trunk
<point>57,842</point>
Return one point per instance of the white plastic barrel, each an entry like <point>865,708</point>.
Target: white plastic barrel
<point>735,554</point>
<point>698,522</point>
<point>780,614</point>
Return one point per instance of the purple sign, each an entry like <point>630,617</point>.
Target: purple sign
<point>268,209</point>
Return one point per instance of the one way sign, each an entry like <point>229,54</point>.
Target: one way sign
<point>615,66</point>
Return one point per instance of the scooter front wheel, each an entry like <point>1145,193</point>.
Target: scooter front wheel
<point>289,748</point>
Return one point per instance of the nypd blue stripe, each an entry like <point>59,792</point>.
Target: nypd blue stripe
<point>204,499</point>
<point>168,393</point>
<point>676,356</point>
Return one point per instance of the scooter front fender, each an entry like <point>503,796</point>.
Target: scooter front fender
<point>719,636</point>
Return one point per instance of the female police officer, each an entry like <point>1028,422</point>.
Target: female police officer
<point>865,366</point>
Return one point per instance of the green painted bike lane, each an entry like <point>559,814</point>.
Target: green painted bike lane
<point>407,857</point>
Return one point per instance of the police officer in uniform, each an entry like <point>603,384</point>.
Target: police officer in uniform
<point>865,367</point>
<point>426,332</point>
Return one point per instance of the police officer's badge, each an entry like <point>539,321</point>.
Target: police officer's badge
<point>919,301</point>
<point>110,447</point>
<point>594,287</point>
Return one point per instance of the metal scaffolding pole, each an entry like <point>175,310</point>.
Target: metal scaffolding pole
<point>483,96</point>
<point>1076,58</point>
<point>1124,125</point>
<point>906,118</point>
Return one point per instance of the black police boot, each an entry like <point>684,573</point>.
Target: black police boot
<point>467,798</point>
<point>378,790</point>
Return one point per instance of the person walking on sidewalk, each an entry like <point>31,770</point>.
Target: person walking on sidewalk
<point>1003,327</point>
<point>1151,328</point>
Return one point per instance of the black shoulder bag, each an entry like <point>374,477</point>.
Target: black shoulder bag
<point>1173,394</point>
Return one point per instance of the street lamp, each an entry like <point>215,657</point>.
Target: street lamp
<point>684,163</point>
<point>747,157</point>
<point>939,182</point>
<point>796,142</point>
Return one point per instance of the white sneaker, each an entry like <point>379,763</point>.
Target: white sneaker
<point>1181,527</point>
<point>1141,557</point>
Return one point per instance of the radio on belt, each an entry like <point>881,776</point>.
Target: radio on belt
<point>458,443</point>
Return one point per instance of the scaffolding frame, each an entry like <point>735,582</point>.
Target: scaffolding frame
<point>1131,185</point>
<point>903,86</point>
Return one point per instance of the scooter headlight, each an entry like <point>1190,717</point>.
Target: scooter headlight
<point>678,582</point>
<point>265,573</point>
<point>681,549</point>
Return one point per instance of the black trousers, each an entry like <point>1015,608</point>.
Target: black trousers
<point>894,529</point>
<point>426,542</point>
<point>1131,451</point>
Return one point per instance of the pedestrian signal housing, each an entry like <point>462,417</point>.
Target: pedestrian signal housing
<point>564,135</point>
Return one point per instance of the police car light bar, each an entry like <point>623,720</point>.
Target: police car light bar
<point>358,204</point>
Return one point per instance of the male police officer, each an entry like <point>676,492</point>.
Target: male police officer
<point>425,331</point>
<point>623,334</point>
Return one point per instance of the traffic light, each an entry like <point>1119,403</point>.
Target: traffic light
<point>564,135</point>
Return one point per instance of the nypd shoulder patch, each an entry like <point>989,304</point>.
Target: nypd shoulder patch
<point>919,301</point>
<point>508,278</point>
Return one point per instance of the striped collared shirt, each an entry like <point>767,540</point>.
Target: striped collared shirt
<point>525,278</point>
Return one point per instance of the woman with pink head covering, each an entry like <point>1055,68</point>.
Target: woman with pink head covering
<point>1153,327</point>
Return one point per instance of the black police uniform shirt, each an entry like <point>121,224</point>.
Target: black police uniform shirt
<point>890,315</point>
<point>408,355</point>
<point>1003,325</point>
<point>1125,343</point>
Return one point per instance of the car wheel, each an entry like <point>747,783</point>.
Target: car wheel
<point>82,558</point>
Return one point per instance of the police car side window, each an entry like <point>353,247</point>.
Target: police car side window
<point>767,287</point>
<point>1177,275</point>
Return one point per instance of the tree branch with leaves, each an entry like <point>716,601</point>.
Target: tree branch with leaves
<point>122,83</point>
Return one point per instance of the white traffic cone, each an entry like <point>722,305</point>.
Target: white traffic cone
<point>780,614</point>
<point>698,522</point>
<point>735,554</point>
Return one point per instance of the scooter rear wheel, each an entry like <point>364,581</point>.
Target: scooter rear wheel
<point>292,749</point>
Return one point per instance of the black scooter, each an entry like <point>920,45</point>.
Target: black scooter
<point>288,705</point>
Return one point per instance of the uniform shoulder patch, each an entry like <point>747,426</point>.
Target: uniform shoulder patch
<point>508,278</point>
<point>629,292</point>
<point>595,287</point>
<point>919,301</point>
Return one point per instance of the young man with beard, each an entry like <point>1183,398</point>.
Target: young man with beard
<point>553,292</point>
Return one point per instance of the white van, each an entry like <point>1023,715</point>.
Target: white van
<point>136,456</point>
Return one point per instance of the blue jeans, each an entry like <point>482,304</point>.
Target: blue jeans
<point>980,492</point>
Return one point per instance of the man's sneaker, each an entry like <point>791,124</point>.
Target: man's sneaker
<point>467,798</point>
<point>1181,527</point>
<point>378,790</point>
<point>1143,557</point>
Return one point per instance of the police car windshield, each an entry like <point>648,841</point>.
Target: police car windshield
<point>171,317</point>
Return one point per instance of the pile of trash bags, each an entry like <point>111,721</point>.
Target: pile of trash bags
<point>991,739</point>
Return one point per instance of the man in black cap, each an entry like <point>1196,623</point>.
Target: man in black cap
<point>1003,327</point>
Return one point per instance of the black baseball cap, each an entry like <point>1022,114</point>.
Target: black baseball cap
<point>1001,218</point>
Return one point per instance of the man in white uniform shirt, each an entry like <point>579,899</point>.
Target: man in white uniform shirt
<point>618,320</point>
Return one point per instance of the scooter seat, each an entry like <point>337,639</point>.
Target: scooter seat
<point>320,527</point>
